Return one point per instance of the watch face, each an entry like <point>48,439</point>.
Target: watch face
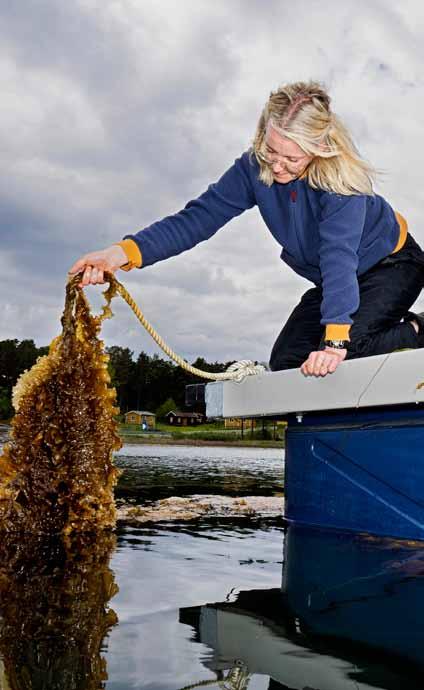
<point>338,344</point>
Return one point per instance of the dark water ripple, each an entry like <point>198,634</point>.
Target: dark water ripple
<point>154,472</point>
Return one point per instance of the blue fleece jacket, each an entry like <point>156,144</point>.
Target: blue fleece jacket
<point>327,238</point>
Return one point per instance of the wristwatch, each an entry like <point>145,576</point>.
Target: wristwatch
<point>336,344</point>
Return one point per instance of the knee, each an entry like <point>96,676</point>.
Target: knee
<point>277,359</point>
<point>273,362</point>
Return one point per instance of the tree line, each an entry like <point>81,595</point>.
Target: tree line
<point>142,383</point>
<point>147,382</point>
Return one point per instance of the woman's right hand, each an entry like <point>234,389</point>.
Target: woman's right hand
<point>93,265</point>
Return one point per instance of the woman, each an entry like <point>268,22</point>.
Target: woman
<point>315,194</point>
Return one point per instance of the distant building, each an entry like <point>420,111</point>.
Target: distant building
<point>147,420</point>
<point>184,418</point>
<point>236,423</point>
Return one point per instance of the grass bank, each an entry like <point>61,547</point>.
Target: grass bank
<point>203,435</point>
<point>206,434</point>
<point>140,439</point>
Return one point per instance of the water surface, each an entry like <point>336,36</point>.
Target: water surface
<point>153,472</point>
<point>182,604</point>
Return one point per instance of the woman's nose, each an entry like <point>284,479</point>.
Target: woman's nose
<point>277,167</point>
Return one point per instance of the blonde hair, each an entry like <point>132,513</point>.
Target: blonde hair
<point>301,112</point>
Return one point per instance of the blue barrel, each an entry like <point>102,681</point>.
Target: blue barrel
<point>360,470</point>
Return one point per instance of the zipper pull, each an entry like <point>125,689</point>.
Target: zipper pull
<point>293,195</point>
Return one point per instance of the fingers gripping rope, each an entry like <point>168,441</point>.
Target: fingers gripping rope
<point>235,372</point>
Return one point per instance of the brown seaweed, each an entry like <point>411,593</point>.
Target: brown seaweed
<point>55,616</point>
<point>57,473</point>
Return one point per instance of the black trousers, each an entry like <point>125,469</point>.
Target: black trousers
<point>387,291</point>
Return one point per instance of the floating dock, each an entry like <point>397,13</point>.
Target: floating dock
<point>354,456</point>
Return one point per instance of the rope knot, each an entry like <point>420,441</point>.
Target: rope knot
<point>244,367</point>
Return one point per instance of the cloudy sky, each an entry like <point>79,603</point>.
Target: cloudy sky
<point>115,113</point>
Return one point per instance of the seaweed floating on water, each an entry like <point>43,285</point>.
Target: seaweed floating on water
<point>57,473</point>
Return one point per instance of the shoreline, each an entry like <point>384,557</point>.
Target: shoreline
<point>141,440</point>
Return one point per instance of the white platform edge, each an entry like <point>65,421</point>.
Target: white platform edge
<point>382,380</point>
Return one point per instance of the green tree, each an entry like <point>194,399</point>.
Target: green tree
<point>15,358</point>
<point>121,370</point>
<point>216,367</point>
<point>26,355</point>
<point>168,406</point>
<point>8,363</point>
<point>160,382</point>
<point>6,409</point>
<point>139,393</point>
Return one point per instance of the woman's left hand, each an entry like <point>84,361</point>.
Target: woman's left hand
<point>323,362</point>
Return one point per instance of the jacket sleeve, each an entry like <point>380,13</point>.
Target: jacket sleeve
<point>201,218</point>
<point>340,231</point>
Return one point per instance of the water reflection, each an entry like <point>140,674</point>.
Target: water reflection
<point>54,611</point>
<point>161,569</point>
<point>260,633</point>
<point>349,616</point>
<point>358,587</point>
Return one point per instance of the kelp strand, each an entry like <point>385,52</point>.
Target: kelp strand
<point>57,473</point>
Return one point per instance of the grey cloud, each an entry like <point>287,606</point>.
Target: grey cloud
<point>115,114</point>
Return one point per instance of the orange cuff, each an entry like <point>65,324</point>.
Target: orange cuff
<point>403,231</point>
<point>133,253</point>
<point>337,331</point>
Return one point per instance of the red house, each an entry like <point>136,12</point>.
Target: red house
<point>184,418</point>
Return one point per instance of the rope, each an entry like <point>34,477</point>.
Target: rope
<point>235,372</point>
<point>238,678</point>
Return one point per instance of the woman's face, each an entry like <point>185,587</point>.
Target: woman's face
<point>285,158</point>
